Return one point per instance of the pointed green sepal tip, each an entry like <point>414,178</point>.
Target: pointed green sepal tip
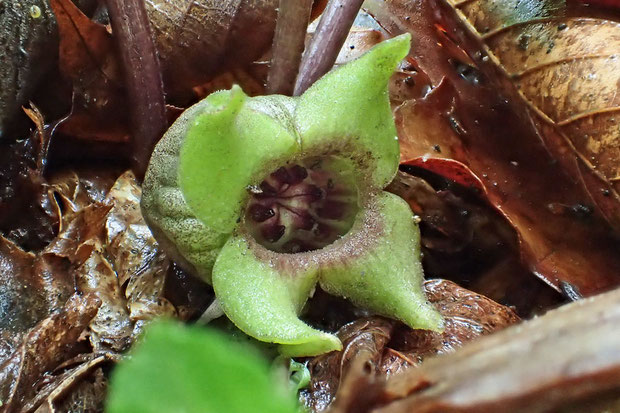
<point>386,276</point>
<point>319,345</point>
<point>263,299</point>
<point>349,109</point>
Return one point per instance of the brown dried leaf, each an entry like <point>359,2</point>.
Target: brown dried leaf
<point>31,288</point>
<point>197,40</point>
<point>363,340</point>
<point>82,244</point>
<point>562,241</point>
<point>88,58</point>
<point>111,329</point>
<point>78,190</point>
<point>52,341</point>
<point>139,263</point>
<point>63,388</point>
<point>567,358</point>
<point>467,316</point>
<point>76,241</point>
<point>563,63</point>
<point>383,347</point>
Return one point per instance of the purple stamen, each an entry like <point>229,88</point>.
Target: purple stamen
<point>297,209</point>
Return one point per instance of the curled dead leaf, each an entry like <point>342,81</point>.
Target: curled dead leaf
<point>79,386</point>
<point>50,342</point>
<point>139,263</point>
<point>383,347</point>
<point>566,360</point>
<point>562,239</point>
<point>563,63</point>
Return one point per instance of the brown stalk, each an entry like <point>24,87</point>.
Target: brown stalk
<point>327,41</point>
<point>288,45</point>
<point>143,80</point>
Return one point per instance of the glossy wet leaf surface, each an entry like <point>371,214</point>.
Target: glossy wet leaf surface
<point>27,34</point>
<point>387,347</point>
<point>565,352</point>
<point>562,237</point>
<point>563,63</point>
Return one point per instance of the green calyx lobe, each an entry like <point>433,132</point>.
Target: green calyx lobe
<point>233,191</point>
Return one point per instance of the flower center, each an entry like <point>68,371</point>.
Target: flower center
<point>303,206</point>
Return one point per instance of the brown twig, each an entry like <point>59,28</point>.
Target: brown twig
<point>327,41</point>
<point>288,45</point>
<point>131,29</point>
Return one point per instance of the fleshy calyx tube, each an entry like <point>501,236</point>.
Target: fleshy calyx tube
<point>265,197</point>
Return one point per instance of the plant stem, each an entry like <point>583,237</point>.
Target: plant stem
<point>288,45</point>
<point>327,41</point>
<point>143,80</point>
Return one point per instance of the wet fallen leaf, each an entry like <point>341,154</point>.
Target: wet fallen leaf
<point>52,341</point>
<point>563,63</point>
<point>566,360</point>
<point>467,316</point>
<point>197,40</point>
<point>194,40</point>
<point>364,339</point>
<point>139,263</point>
<point>562,239</point>
<point>28,211</point>
<point>466,240</point>
<point>27,36</point>
<point>105,251</point>
<point>31,288</point>
<point>76,190</point>
<point>79,388</point>
<point>76,241</point>
<point>114,256</point>
<point>88,58</point>
<point>384,347</point>
<point>111,329</point>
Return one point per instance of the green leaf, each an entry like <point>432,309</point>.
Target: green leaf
<point>178,368</point>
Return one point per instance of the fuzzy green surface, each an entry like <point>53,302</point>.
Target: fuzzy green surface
<point>177,368</point>
<point>376,266</point>
<point>386,276</point>
<point>239,140</point>
<point>350,109</point>
<point>196,190</point>
<point>263,300</point>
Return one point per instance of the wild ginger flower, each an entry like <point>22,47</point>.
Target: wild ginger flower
<point>264,197</point>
